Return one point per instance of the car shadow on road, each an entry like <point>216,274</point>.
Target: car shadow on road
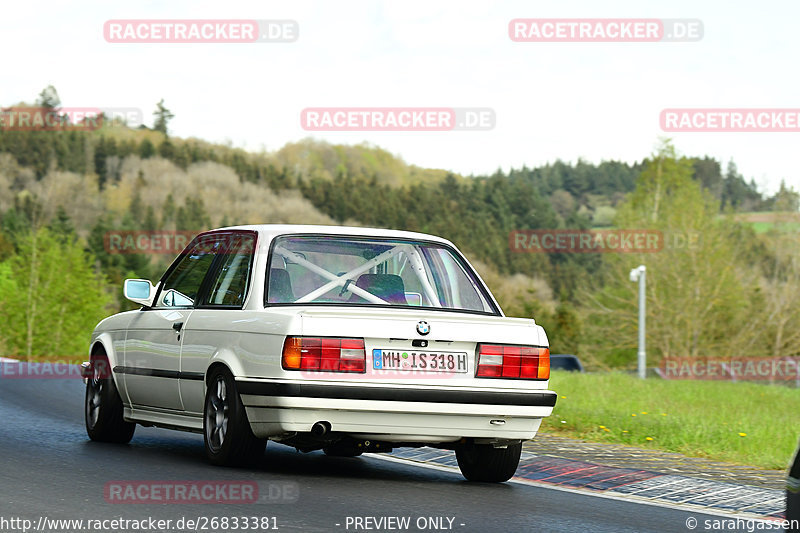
<point>159,449</point>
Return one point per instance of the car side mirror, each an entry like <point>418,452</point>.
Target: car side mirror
<point>140,291</point>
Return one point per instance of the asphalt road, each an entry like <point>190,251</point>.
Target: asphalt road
<point>49,468</point>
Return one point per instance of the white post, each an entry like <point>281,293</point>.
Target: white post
<point>638,274</point>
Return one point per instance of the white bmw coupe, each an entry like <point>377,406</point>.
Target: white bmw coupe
<point>348,340</point>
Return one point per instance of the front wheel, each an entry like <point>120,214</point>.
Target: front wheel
<point>229,441</point>
<point>484,462</point>
<point>103,406</point>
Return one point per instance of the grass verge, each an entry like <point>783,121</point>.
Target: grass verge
<point>742,423</point>
<point>56,359</point>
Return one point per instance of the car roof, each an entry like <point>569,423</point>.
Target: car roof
<point>273,230</point>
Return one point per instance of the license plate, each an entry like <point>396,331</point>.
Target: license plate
<point>419,361</point>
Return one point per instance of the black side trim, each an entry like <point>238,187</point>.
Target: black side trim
<point>396,395</point>
<point>156,373</point>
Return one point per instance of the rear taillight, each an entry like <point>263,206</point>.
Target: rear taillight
<point>514,362</point>
<point>324,354</point>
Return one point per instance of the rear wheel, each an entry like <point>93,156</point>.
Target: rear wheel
<point>483,462</point>
<point>103,405</point>
<point>229,441</point>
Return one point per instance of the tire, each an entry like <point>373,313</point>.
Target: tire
<point>483,462</point>
<point>342,450</point>
<point>229,441</point>
<point>103,405</point>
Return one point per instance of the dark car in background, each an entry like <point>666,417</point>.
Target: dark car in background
<point>565,361</point>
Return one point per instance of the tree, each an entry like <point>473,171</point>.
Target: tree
<point>707,171</point>
<point>563,203</point>
<point>166,150</point>
<point>786,199</point>
<point>665,177</point>
<point>162,117</point>
<point>61,226</point>
<point>26,215</point>
<point>603,216</point>
<point>697,296</point>
<point>146,149</point>
<point>150,223</point>
<point>737,193</point>
<point>192,216</point>
<point>780,319</point>
<point>6,247</point>
<point>116,266</point>
<point>168,213</point>
<point>55,297</point>
<point>136,209</point>
<point>7,286</point>
<point>48,98</point>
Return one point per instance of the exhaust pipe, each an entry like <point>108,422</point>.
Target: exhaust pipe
<point>321,429</point>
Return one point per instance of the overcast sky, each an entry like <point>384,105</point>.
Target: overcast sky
<point>595,101</point>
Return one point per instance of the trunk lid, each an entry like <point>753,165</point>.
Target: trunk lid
<point>397,352</point>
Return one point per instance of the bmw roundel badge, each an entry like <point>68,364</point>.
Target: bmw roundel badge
<point>423,328</point>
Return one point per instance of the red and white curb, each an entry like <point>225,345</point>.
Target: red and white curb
<point>660,491</point>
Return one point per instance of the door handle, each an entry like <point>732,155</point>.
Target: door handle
<point>177,326</point>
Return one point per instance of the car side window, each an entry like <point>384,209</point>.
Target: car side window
<point>181,287</point>
<point>229,287</point>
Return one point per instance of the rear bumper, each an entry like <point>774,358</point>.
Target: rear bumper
<point>394,414</point>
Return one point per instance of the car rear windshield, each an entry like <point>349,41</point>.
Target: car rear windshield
<point>339,270</point>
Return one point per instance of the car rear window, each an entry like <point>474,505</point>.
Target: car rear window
<point>339,270</point>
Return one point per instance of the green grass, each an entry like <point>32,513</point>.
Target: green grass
<point>762,222</point>
<point>744,423</point>
<point>67,359</point>
<point>763,227</point>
